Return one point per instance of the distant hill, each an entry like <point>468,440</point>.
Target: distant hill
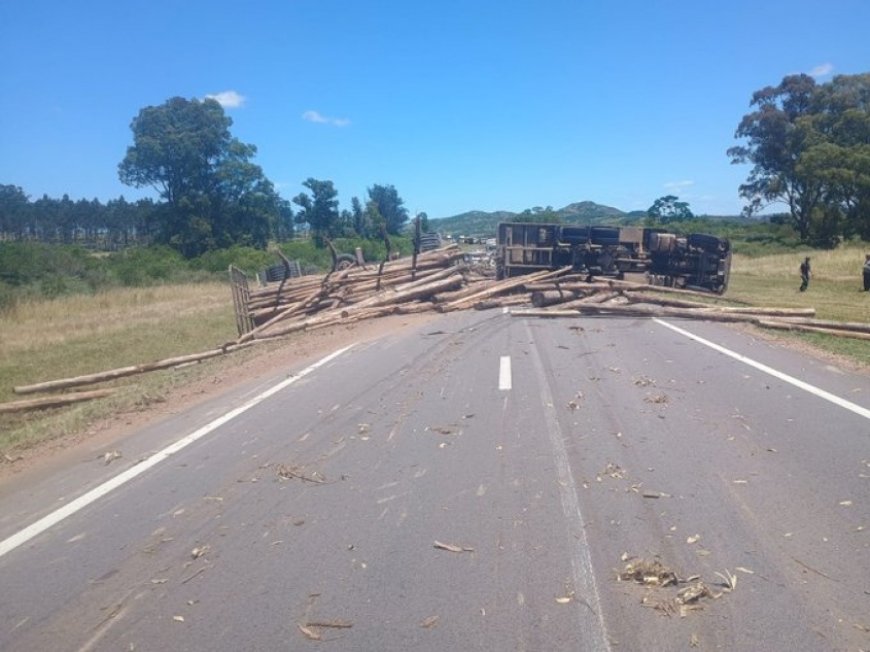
<point>481,224</point>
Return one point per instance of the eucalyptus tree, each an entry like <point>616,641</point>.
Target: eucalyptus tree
<point>319,209</point>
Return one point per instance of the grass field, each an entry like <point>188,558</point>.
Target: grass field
<point>46,340</point>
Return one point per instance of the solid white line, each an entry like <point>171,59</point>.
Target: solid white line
<point>812,389</point>
<point>504,373</point>
<point>594,629</point>
<point>98,492</point>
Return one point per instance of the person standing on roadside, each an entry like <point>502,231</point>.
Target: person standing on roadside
<point>867,272</point>
<point>806,272</point>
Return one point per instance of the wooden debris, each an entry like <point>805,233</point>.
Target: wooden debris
<point>649,572</point>
<point>53,401</point>
<point>450,547</point>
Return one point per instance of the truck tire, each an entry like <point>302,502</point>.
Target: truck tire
<point>706,242</point>
<point>343,261</point>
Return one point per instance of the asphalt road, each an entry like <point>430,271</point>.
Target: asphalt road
<point>475,484</point>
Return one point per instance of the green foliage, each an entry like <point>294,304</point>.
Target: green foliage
<point>144,266</point>
<point>319,210</point>
<point>389,206</point>
<point>669,209</point>
<point>36,269</point>
<point>809,147</point>
<point>249,259</point>
<point>541,215</point>
<point>215,196</point>
<point>318,259</point>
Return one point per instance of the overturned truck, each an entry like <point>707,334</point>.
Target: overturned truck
<point>696,261</point>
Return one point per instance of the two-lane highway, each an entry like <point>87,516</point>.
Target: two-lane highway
<point>474,483</point>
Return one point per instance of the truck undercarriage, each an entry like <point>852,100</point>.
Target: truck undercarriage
<point>696,261</point>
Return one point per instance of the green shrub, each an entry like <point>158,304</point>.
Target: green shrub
<point>142,266</point>
<point>248,259</point>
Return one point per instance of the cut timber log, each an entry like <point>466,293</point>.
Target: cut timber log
<point>121,372</point>
<point>543,298</point>
<point>499,287</point>
<point>636,311</point>
<point>857,326</point>
<point>639,297</point>
<point>789,326</point>
<point>54,401</point>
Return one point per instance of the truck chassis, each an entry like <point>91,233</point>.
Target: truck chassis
<point>696,261</point>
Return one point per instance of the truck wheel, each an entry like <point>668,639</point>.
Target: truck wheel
<point>344,261</point>
<point>706,242</point>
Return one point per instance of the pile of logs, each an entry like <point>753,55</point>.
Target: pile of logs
<point>441,281</point>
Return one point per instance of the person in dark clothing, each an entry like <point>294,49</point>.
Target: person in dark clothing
<point>867,273</point>
<point>805,274</point>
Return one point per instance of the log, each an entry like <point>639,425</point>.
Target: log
<point>638,311</point>
<point>53,401</point>
<point>543,298</point>
<point>122,372</point>
<point>385,299</point>
<point>639,297</point>
<point>857,326</point>
<point>501,286</point>
<point>502,302</point>
<point>789,326</point>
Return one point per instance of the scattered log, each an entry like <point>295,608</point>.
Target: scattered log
<point>860,327</point>
<point>53,401</point>
<point>122,372</point>
<point>500,287</point>
<point>543,298</point>
<point>789,326</point>
<point>637,311</point>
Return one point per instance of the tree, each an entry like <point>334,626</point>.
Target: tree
<point>669,209</point>
<point>320,210</point>
<point>837,154</point>
<point>359,219</point>
<point>424,222</point>
<point>390,207</point>
<point>14,211</point>
<point>214,196</point>
<point>541,215</point>
<point>776,137</point>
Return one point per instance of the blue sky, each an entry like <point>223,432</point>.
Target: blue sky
<point>460,105</point>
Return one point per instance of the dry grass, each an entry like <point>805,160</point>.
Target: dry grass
<point>837,265</point>
<point>46,340</point>
<point>835,292</point>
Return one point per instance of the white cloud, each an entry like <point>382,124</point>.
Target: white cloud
<point>228,99</point>
<point>822,70</point>
<point>679,185</point>
<point>316,116</point>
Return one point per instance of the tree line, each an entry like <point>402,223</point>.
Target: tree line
<point>809,147</point>
<point>210,195</point>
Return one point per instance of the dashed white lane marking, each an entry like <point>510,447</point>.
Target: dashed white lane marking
<point>504,373</point>
<point>812,389</point>
<point>55,517</point>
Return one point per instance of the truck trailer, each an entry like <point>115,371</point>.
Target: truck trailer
<point>695,261</point>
